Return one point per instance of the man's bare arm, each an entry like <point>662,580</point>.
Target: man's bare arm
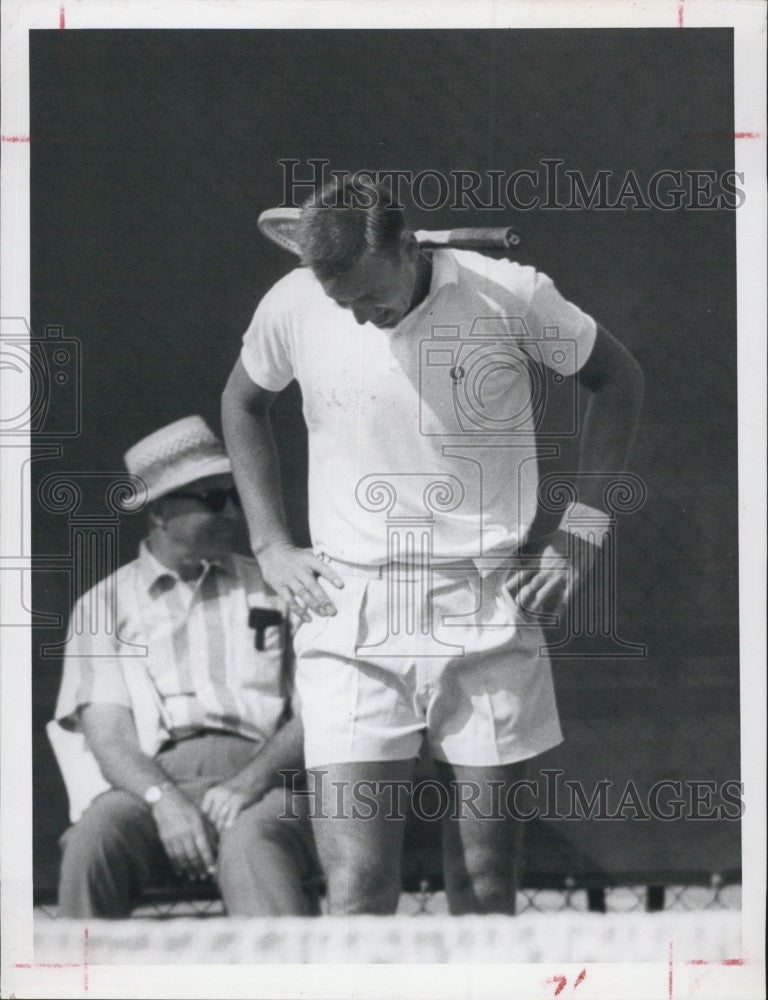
<point>110,732</point>
<point>251,447</point>
<point>292,572</point>
<point>615,383</point>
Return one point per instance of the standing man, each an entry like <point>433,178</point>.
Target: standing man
<point>416,622</point>
<point>172,725</point>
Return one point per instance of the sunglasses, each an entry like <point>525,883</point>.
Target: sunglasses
<point>215,500</point>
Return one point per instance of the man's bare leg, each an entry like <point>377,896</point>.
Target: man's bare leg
<point>481,848</point>
<point>358,817</point>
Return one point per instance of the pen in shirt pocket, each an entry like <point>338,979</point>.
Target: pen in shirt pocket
<point>260,619</point>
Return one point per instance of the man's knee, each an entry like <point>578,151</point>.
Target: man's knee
<point>359,881</point>
<point>241,841</point>
<point>488,875</point>
<point>268,831</point>
<point>107,828</point>
<point>269,821</point>
<point>106,857</point>
<point>266,865</point>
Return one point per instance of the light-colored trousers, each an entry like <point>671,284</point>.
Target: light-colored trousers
<point>266,865</point>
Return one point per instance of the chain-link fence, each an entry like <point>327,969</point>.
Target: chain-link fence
<point>426,901</point>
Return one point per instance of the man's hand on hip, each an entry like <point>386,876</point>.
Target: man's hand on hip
<point>562,565</point>
<point>294,574</point>
<point>186,834</point>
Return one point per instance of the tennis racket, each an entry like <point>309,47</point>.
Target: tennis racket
<point>279,225</point>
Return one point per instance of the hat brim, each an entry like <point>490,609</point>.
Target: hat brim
<point>215,466</point>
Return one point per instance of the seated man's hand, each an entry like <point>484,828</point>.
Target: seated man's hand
<point>294,574</point>
<point>562,563</point>
<point>223,803</point>
<point>186,834</point>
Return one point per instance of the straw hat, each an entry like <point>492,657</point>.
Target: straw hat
<point>180,453</point>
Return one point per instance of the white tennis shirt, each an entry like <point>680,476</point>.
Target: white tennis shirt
<point>421,437</point>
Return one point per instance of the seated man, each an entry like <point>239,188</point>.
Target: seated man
<point>172,726</point>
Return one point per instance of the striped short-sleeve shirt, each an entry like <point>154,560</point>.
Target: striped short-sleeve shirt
<point>193,641</point>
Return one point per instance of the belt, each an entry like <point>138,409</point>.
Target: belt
<point>456,567</point>
<point>172,741</point>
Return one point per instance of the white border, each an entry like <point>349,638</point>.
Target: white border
<point>748,17</point>
<point>752,319</point>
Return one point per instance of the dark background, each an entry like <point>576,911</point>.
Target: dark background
<point>153,153</point>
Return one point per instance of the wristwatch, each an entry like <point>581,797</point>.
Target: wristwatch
<point>153,794</point>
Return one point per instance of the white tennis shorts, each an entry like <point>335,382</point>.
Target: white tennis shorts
<point>411,653</point>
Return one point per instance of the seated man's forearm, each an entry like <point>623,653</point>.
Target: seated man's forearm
<point>284,752</point>
<point>111,736</point>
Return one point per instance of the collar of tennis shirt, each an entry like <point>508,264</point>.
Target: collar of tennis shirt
<point>152,571</point>
<point>445,271</point>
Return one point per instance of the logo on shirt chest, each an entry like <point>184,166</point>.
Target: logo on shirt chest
<point>471,386</point>
<point>487,380</point>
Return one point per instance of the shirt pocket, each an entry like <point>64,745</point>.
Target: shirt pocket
<point>263,671</point>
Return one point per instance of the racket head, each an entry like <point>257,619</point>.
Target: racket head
<point>279,225</point>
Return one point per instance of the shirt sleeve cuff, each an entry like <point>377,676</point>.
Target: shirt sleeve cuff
<point>260,377</point>
<point>586,342</point>
<point>587,523</point>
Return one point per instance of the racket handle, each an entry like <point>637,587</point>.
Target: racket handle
<point>501,238</point>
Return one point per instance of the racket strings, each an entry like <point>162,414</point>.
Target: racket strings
<point>279,225</point>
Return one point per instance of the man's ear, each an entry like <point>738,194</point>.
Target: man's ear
<point>155,515</point>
